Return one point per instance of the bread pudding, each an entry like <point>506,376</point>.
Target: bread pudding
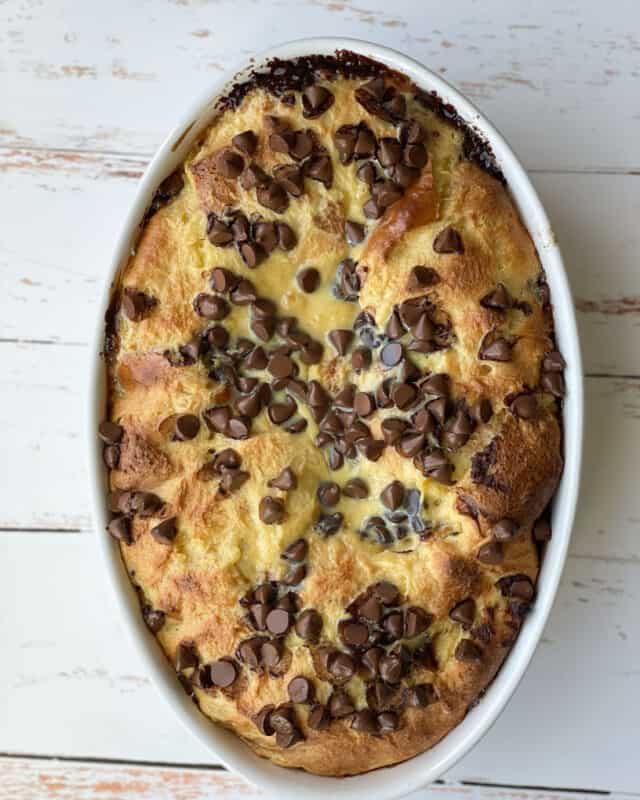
<point>333,422</point>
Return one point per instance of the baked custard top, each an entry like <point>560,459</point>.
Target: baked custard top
<point>333,420</point>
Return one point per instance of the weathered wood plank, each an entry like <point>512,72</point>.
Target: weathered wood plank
<point>556,76</point>
<point>71,685</point>
<point>35,779</point>
<point>43,389</point>
<point>77,201</point>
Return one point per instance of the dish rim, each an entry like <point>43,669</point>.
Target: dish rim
<point>227,748</point>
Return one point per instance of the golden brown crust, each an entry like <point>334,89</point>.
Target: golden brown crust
<point>503,468</point>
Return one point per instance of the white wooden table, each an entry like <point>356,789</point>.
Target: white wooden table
<point>87,91</point>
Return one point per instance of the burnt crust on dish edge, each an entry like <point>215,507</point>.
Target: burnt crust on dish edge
<point>211,515</point>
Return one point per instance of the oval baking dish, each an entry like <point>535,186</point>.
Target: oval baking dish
<point>226,747</point>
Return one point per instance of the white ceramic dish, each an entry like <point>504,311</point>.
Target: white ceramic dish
<point>225,747</point>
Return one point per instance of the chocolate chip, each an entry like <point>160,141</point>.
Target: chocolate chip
<point>415,155</point>
<point>273,196</point>
<point>187,427</point>
<point>271,510</point>
<point>300,690</point>
<point>367,174</point>
<point>259,613</point>
<point>345,397</point>
<point>403,395</point>
<point>309,625</point>
<point>392,495</point>
<point>553,382</point>
<point>286,237</point>
<point>311,353</point>
<point>279,413</point>
<point>218,233</point>
<point>390,669</point>
<point>448,241</point>
<point>319,718</point>
<point>210,307</point>
<point>296,551</point>
<point>365,145</point>
<point>386,193</point>
<point>504,530</point>
<point>262,720</point>
<point>354,232</point>
<point>165,531</point>
<point>393,624</point>
<point>481,410</point>
<point>153,617</point>
<point>389,151</point>
<point>499,299</point>
<point>223,672</point>
<point>525,406</point>
<point>287,740</point>
<point>328,524</point>
<point>416,621</point>
<point>279,621</point>
<point>280,366</point>
<point>494,348</point>
<point>361,358</point>
<point>282,139</point>
<point>249,651</point>
<point>363,404</point>
<point>553,362</point>
<point>341,666</point>
<point>120,529</point>
<point>282,719</point>
<point>345,141</point>
<point>364,721</point>
<point>541,530</point>
<point>245,141</point>
<point>286,480</point>
<point>328,493</point>
<point>391,354</point>
<point>518,586</point>
<point>290,602</point>
<point>271,653</point>
<point>186,656</point>
<point>371,448</point>
<point>217,417</point>
<point>223,280</point>
<point>423,329</point>
<point>422,277</point>
<point>386,592</point>
<point>437,385</point>
<point>491,553</point>
<point>464,612</point>
<point>419,696</point>
<point>238,428</point>
<point>295,575</point>
<point>388,722</point>
<point>229,164</point>
<point>240,228</point>
<point>372,210</point>
<point>315,101</point>
<point>435,465</point>
<point>340,705</point>
<point>340,339</point>
<point>468,651</point>
<point>302,145</point>
<point>356,489</point>
<point>110,432</point>
<point>111,456</point>
<point>392,429</point>
<point>319,168</point>
<point>254,176</point>
<point>353,633</point>
<point>410,132</point>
